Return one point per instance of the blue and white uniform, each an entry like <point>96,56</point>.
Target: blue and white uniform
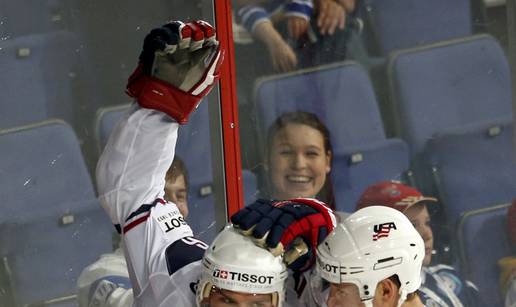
<point>442,287</point>
<point>252,15</point>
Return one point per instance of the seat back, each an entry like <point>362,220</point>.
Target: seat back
<point>363,165</point>
<point>40,78</point>
<point>402,24</point>
<point>25,17</point>
<point>448,85</point>
<point>484,240</point>
<point>473,166</point>
<point>341,95</point>
<point>51,225</point>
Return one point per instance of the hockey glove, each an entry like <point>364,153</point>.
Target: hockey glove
<point>287,227</point>
<point>179,64</point>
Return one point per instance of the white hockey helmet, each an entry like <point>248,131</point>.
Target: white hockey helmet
<point>234,262</point>
<point>369,246</point>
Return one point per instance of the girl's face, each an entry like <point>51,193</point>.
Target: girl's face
<point>298,162</point>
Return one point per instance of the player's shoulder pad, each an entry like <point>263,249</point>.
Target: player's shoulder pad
<point>183,252</point>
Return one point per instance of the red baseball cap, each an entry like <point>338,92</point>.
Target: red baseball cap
<point>511,221</point>
<point>391,194</point>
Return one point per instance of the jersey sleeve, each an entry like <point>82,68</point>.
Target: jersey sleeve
<point>131,180</point>
<point>131,170</point>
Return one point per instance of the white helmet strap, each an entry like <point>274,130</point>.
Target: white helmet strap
<point>403,297</point>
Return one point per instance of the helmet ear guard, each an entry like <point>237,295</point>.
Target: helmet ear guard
<point>233,262</point>
<point>369,246</point>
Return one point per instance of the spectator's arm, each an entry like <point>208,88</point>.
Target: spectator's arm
<point>299,8</point>
<point>250,16</point>
<point>282,56</point>
<point>298,14</point>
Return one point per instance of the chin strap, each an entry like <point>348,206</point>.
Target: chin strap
<point>403,297</point>
<point>368,303</point>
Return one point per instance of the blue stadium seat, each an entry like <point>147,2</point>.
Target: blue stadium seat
<point>363,165</point>
<point>340,94</point>
<point>193,145</point>
<point>483,238</point>
<point>448,85</point>
<point>473,166</point>
<point>51,224</point>
<point>25,17</point>
<point>40,78</point>
<point>399,24</point>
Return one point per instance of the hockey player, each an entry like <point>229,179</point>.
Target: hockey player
<point>178,66</point>
<point>441,284</point>
<point>372,258</point>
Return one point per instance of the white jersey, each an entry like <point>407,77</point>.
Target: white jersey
<point>162,255</point>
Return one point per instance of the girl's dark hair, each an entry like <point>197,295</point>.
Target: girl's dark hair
<point>326,193</point>
<point>176,169</point>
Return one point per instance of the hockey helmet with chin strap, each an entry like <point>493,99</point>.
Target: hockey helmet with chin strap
<point>234,262</point>
<point>369,246</point>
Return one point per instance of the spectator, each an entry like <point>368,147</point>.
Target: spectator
<point>176,185</point>
<point>441,285</point>
<point>508,264</point>
<point>262,19</point>
<point>298,158</point>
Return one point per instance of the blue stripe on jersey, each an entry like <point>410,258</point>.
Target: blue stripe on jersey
<point>183,252</point>
<point>299,8</point>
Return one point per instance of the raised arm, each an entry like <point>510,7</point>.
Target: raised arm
<point>178,66</point>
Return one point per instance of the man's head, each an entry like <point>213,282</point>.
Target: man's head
<point>239,273</point>
<point>372,258</point>
<point>176,185</point>
<point>407,200</point>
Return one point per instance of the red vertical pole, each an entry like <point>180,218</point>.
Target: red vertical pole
<point>229,109</point>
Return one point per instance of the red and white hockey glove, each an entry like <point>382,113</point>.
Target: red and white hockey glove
<point>179,64</point>
<point>287,227</point>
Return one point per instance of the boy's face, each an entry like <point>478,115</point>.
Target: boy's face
<point>420,218</point>
<point>175,191</point>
